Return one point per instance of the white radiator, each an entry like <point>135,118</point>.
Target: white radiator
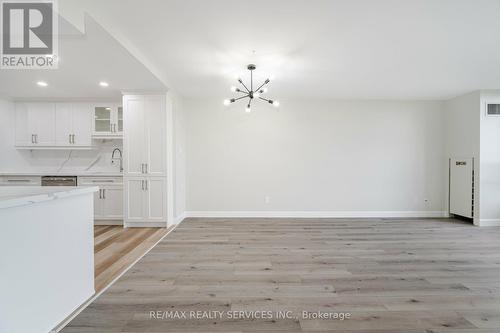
<point>462,187</point>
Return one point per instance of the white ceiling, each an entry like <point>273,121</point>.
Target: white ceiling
<point>86,59</point>
<point>349,49</point>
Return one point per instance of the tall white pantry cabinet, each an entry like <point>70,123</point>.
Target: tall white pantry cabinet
<point>146,143</point>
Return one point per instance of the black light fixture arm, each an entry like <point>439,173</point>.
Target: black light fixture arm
<point>236,99</point>
<point>262,85</point>
<point>241,82</point>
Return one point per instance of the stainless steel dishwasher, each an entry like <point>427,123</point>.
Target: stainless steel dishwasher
<point>59,181</point>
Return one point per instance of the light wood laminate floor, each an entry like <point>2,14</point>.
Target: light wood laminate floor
<point>116,248</point>
<point>404,276</point>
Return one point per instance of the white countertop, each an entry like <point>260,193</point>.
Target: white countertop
<point>64,173</point>
<point>14,196</point>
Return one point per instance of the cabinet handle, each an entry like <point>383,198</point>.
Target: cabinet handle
<point>36,138</point>
<point>146,184</point>
<point>104,193</point>
<point>69,138</point>
<point>73,138</point>
<point>146,168</point>
<point>142,184</point>
<point>32,138</point>
<point>100,193</point>
<point>114,128</point>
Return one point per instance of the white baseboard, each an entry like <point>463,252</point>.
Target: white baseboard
<point>319,214</point>
<point>489,223</point>
<point>145,225</point>
<point>180,218</point>
<point>108,222</point>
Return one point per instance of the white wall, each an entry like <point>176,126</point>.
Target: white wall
<point>329,158</point>
<point>462,138</point>
<point>490,162</point>
<point>14,160</point>
<point>179,142</point>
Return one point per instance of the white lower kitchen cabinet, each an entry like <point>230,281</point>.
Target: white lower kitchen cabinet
<point>20,181</point>
<point>145,201</point>
<point>108,201</point>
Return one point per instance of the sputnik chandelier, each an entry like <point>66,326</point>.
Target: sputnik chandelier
<point>250,93</point>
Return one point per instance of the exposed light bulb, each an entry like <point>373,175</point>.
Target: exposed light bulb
<point>234,89</point>
<point>42,83</point>
<point>247,109</point>
<point>264,90</point>
<point>226,102</point>
<point>256,95</point>
<point>104,84</point>
<point>276,103</point>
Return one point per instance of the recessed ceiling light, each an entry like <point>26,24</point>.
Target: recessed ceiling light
<point>42,83</point>
<point>103,84</point>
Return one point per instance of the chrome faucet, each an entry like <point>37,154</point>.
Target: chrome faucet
<point>113,158</point>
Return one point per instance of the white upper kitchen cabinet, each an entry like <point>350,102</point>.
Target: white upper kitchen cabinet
<point>73,124</point>
<point>108,120</point>
<point>35,124</point>
<point>145,140</point>
<point>134,140</point>
<point>156,136</point>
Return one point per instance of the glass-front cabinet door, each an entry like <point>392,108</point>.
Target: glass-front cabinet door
<point>102,120</point>
<point>108,120</point>
<point>120,119</point>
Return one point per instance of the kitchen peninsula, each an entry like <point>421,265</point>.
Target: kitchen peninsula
<point>46,255</point>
